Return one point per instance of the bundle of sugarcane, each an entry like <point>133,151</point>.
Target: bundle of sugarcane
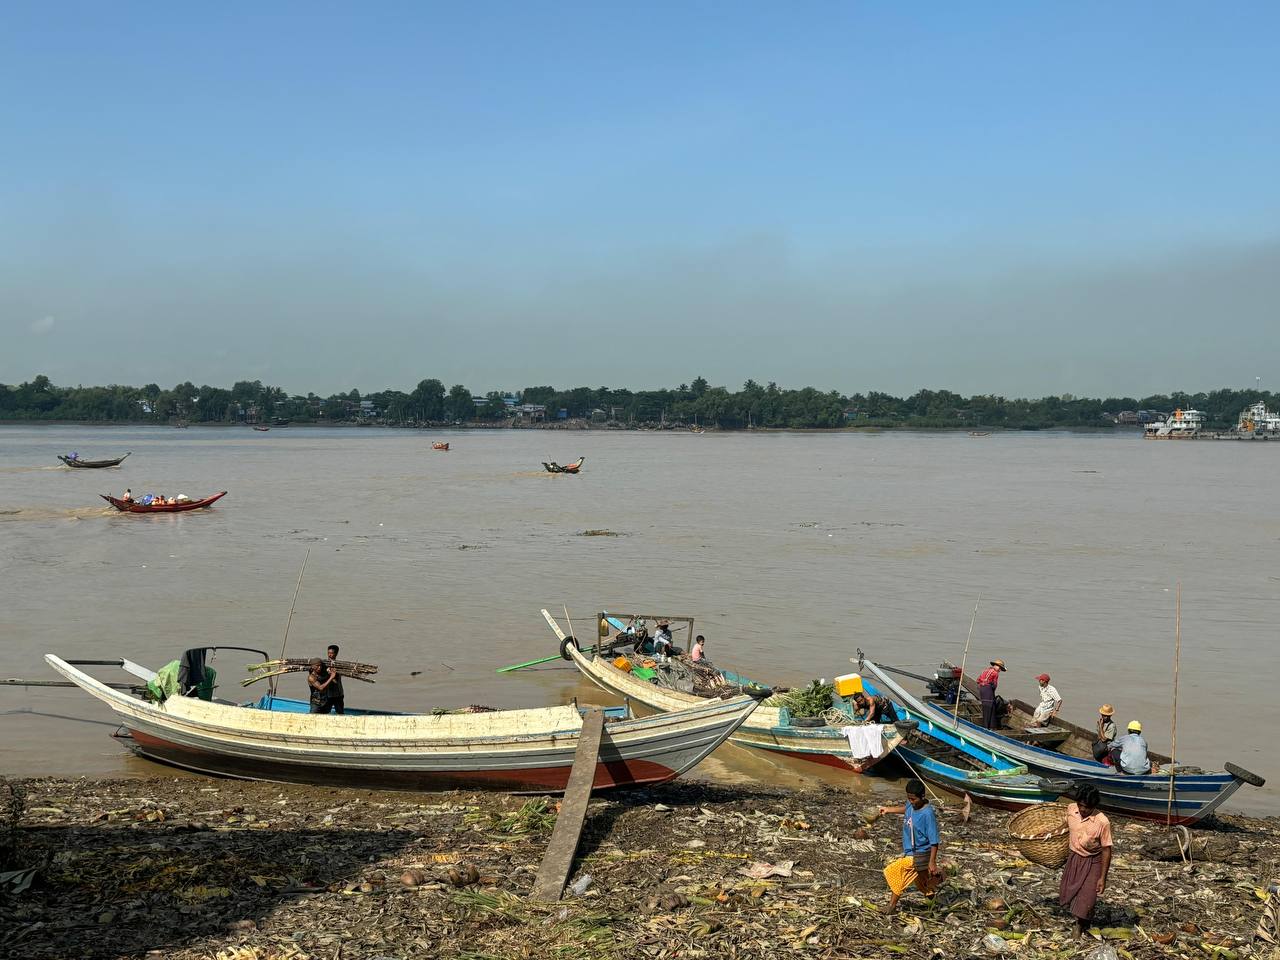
<point>277,668</point>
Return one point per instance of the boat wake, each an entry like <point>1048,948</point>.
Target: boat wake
<point>14,514</point>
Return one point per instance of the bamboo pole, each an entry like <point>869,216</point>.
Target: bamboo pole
<point>288,623</point>
<point>1177,658</point>
<point>955,715</point>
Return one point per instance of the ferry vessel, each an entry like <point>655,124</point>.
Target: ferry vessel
<point>1258,423</point>
<point>1182,425</point>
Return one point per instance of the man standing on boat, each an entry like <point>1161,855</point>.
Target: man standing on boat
<point>987,682</point>
<point>1050,702</point>
<point>336,701</point>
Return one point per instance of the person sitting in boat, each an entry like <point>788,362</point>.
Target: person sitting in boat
<point>73,456</point>
<point>662,644</point>
<point>1050,702</point>
<point>699,654</point>
<point>1129,753</point>
<point>640,631</point>
<point>874,709</point>
<point>159,500</point>
<point>127,497</point>
<point>1106,733</point>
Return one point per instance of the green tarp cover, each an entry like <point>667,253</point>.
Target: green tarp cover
<point>165,684</point>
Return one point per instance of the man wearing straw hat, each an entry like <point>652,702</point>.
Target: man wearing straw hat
<point>987,681</point>
<point>1106,733</point>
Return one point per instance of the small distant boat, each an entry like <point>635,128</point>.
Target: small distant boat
<point>92,464</point>
<point>438,445</point>
<point>133,506</point>
<point>979,433</point>
<point>574,467</point>
<point>261,429</point>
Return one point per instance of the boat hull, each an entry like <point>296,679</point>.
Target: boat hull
<point>94,464</point>
<point>130,506</point>
<point>763,731</point>
<point>512,750</point>
<point>1192,797</point>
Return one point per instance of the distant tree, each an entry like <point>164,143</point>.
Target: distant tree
<point>460,405</point>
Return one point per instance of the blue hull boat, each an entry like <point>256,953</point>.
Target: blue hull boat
<point>1176,795</point>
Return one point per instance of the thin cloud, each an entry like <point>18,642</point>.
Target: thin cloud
<point>42,326</point>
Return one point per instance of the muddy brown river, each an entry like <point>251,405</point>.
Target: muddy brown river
<point>791,550</point>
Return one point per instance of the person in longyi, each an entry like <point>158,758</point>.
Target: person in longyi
<point>1084,878</point>
<point>1106,733</point>
<point>988,679</point>
<point>920,841</point>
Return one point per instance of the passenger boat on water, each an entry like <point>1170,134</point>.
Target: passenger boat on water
<point>574,467</point>
<point>75,461</point>
<point>1181,425</point>
<point>439,445</point>
<point>1180,794</point>
<point>169,506</point>
<point>1258,423</point>
<point>531,750</point>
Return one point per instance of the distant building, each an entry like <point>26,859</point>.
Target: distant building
<point>1127,416</point>
<point>532,412</point>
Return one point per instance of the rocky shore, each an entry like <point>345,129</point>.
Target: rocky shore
<point>220,870</point>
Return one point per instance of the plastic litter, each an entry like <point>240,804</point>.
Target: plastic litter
<point>579,886</point>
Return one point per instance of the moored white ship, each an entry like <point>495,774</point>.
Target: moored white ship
<point>1182,425</point>
<point>1257,422</point>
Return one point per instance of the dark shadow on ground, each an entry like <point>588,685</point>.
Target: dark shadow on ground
<point>111,891</point>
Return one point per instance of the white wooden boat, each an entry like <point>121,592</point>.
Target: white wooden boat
<point>770,728</point>
<point>510,750</point>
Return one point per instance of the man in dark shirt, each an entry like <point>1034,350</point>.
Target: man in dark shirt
<point>336,699</point>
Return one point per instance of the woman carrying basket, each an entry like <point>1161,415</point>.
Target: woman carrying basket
<point>1085,876</point>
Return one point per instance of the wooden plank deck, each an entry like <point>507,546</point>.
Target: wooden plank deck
<point>558,860</point>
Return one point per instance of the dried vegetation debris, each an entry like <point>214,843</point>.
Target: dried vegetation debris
<point>221,870</point>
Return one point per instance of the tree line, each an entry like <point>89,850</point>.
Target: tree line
<point>697,402</point>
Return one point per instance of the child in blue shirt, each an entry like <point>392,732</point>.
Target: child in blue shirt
<point>920,840</point>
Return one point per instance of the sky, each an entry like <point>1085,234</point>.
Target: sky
<point>992,197</point>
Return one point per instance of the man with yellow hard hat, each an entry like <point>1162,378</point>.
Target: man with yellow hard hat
<point>1129,753</point>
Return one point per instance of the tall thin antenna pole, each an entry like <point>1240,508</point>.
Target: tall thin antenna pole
<point>955,716</point>
<point>1177,657</point>
<point>288,623</point>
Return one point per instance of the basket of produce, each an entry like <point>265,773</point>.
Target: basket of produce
<point>1040,833</point>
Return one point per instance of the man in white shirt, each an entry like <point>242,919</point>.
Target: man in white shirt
<point>1050,702</point>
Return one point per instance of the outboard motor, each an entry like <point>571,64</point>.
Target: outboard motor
<point>945,685</point>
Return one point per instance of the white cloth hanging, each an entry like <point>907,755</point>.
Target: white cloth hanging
<point>865,740</point>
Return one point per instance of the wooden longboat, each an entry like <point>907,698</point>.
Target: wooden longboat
<point>1180,794</point>
<point>769,729</point>
<point>960,765</point>
<point>440,445</point>
<point>93,464</point>
<point>511,750</point>
<point>132,506</point>
<point>574,467</point>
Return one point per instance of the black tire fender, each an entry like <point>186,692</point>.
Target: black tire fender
<point>1243,775</point>
<point>564,647</point>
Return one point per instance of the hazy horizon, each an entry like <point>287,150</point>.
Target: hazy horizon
<point>1005,199</point>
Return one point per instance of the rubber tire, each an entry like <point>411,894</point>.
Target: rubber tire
<point>564,647</point>
<point>1243,775</point>
<point>810,722</point>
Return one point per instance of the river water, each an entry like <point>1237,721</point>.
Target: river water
<point>792,551</point>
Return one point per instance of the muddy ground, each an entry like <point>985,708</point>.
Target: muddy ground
<point>188,868</point>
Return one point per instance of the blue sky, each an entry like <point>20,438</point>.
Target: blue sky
<point>1008,197</point>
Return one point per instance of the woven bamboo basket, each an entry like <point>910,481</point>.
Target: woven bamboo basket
<point>1041,833</point>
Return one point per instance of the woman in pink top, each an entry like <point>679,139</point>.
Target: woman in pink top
<point>1085,875</point>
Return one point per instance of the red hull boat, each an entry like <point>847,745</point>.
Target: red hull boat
<point>440,446</point>
<point>132,506</point>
